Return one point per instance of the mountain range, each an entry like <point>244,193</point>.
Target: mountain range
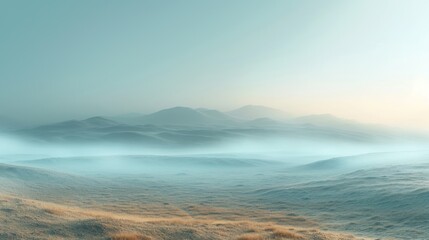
<point>184,126</point>
<point>202,116</point>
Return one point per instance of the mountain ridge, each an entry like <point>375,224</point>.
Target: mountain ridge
<point>251,112</point>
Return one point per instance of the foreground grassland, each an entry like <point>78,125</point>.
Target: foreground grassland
<point>32,219</point>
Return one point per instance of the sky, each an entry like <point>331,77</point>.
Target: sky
<point>364,60</point>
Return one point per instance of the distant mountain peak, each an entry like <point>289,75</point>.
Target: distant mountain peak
<point>175,116</point>
<point>176,110</point>
<point>187,116</point>
<point>251,112</point>
<point>263,122</point>
<point>97,118</point>
<point>99,121</point>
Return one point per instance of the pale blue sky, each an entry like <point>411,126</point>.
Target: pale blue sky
<point>366,60</point>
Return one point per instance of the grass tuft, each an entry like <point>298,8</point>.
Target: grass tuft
<point>129,236</point>
<point>250,236</point>
<point>286,234</point>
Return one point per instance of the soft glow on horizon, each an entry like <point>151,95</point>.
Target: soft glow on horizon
<point>355,59</point>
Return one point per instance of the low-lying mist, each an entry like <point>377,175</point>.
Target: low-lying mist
<point>367,182</point>
<point>266,146</point>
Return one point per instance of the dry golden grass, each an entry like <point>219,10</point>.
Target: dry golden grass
<point>250,236</point>
<point>281,233</point>
<point>65,219</point>
<point>129,236</point>
<point>54,211</point>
